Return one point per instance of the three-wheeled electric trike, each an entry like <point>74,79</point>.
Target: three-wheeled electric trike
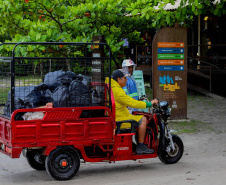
<point>57,110</point>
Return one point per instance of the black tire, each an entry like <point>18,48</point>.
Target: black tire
<point>35,159</point>
<point>63,163</point>
<point>172,156</point>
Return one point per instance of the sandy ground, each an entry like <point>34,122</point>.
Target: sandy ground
<point>203,162</point>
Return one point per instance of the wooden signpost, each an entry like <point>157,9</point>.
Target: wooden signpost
<point>98,77</point>
<point>169,65</point>
<point>98,65</point>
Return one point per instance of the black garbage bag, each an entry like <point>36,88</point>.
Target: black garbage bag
<point>36,98</point>
<point>21,92</point>
<point>61,94</point>
<point>65,76</point>
<point>48,95</point>
<point>53,79</point>
<point>18,104</point>
<point>79,94</point>
<point>43,88</point>
<point>7,109</point>
<point>96,100</point>
<point>19,97</point>
<point>86,80</point>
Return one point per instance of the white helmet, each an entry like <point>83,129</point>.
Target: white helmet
<point>128,62</point>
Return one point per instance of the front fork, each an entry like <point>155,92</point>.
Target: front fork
<point>169,136</point>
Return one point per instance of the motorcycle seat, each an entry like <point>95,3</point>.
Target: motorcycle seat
<point>133,123</point>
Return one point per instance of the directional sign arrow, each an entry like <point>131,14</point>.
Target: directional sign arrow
<point>170,68</point>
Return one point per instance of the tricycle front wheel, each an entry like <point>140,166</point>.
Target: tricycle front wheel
<point>63,163</point>
<point>168,156</point>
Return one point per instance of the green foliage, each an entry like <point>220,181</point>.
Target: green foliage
<point>81,70</point>
<point>79,20</point>
<point>65,21</point>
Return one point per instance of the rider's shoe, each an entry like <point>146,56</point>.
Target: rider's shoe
<point>142,149</point>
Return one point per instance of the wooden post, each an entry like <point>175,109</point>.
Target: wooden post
<point>98,77</point>
<point>98,65</point>
<point>169,67</point>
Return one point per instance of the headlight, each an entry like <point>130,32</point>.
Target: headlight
<point>164,105</point>
<point>169,112</point>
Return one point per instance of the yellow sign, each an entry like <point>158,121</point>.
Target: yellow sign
<point>96,46</point>
<point>169,87</point>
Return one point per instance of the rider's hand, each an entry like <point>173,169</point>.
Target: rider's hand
<point>154,102</point>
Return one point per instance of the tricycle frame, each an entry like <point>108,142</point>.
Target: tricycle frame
<point>92,138</point>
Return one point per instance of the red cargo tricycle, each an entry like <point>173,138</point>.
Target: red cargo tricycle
<point>57,110</point>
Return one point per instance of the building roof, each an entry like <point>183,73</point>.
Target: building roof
<point>169,6</point>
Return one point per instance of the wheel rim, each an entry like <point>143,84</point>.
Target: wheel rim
<point>175,152</point>
<point>63,163</point>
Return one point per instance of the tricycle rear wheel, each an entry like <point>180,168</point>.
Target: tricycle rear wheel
<point>63,163</point>
<point>35,159</point>
<point>171,157</point>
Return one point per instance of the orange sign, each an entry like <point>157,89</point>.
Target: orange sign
<point>170,62</point>
<point>170,44</point>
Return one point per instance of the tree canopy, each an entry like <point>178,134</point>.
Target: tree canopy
<point>79,20</point>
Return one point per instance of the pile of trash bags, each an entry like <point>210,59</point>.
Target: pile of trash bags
<point>63,89</point>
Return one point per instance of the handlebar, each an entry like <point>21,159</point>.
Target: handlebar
<point>162,107</point>
<point>154,104</point>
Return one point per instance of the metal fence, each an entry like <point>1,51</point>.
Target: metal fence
<point>63,74</point>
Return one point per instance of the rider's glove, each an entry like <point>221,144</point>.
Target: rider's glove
<point>148,104</point>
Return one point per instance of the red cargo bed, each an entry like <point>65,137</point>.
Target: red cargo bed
<point>59,126</point>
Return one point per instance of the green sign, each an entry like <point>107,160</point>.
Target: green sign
<point>171,56</point>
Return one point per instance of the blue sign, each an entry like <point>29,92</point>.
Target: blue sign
<point>170,50</point>
<point>164,79</point>
<point>170,68</point>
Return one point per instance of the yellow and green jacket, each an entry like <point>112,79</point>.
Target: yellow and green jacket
<point>122,101</point>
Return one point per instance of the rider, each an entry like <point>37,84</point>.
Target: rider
<point>118,80</point>
<point>128,66</point>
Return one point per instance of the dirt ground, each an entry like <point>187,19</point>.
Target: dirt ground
<point>203,162</point>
